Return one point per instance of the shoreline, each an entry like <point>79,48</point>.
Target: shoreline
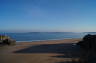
<point>27,43</point>
<point>47,40</point>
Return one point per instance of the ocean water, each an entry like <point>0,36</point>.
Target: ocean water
<point>40,36</point>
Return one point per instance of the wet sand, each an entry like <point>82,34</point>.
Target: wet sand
<point>51,51</point>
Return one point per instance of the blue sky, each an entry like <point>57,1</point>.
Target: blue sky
<point>48,15</point>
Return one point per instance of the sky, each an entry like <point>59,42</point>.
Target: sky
<point>47,15</point>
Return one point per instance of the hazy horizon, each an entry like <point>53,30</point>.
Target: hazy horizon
<point>45,32</point>
<point>47,16</point>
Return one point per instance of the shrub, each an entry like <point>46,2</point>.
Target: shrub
<point>6,40</point>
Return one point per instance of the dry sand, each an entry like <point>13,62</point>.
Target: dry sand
<point>51,51</point>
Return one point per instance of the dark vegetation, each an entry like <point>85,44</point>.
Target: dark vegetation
<point>88,47</point>
<point>6,40</point>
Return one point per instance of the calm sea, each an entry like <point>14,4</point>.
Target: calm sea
<point>39,36</point>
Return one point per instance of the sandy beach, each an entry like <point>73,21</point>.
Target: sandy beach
<point>49,51</point>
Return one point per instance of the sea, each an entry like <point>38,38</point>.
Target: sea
<point>41,36</point>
